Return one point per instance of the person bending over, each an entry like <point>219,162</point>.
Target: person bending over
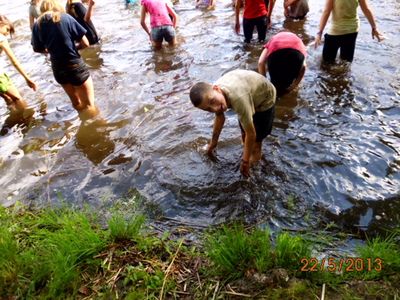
<point>285,57</point>
<point>251,96</point>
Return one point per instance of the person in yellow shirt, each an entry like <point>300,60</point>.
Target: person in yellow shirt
<point>344,28</point>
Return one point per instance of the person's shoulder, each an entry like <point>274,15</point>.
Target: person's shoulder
<point>78,5</point>
<point>67,18</point>
<point>245,73</point>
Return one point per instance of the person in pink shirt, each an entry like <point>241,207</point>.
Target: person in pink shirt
<point>284,56</point>
<point>163,21</point>
<point>255,14</point>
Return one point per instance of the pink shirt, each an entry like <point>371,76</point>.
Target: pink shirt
<point>284,40</point>
<point>158,12</point>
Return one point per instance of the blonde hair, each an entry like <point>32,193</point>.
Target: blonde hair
<point>53,7</point>
<point>4,21</point>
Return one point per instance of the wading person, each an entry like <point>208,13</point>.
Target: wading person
<point>163,21</point>
<point>284,56</point>
<point>34,12</point>
<point>255,14</point>
<point>207,4</point>
<point>295,9</point>
<point>58,34</point>
<point>8,91</point>
<point>344,28</point>
<point>83,16</point>
<point>252,97</point>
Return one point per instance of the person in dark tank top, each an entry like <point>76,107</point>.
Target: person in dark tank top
<point>78,11</point>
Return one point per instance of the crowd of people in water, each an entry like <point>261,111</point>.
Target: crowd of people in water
<point>62,31</point>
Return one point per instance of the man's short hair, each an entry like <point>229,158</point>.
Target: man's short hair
<point>198,92</point>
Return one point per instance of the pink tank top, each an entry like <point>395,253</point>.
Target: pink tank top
<point>284,40</point>
<point>158,12</point>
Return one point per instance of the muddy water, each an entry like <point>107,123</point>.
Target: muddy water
<point>334,153</point>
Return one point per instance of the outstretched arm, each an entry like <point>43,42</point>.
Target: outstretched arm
<point>370,17</point>
<point>262,68</point>
<point>83,43</point>
<point>31,21</point>
<point>270,9</point>
<point>324,19</point>
<point>219,121</point>
<point>6,47</point>
<point>89,11</point>
<point>143,20</point>
<point>238,5</point>
<point>173,14</point>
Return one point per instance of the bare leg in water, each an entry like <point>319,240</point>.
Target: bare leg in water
<point>82,98</point>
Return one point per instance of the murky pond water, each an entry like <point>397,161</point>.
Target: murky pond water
<point>334,151</point>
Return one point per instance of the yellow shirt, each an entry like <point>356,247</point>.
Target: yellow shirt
<point>344,17</point>
<point>248,92</point>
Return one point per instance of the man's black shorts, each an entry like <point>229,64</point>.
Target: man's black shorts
<point>262,121</point>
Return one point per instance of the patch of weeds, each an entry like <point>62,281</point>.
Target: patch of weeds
<point>145,282</point>
<point>297,290</point>
<point>125,228</point>
<point>233,251</point>
<point>290,202</point>
<point>290,250</point>
<point>381,257</point>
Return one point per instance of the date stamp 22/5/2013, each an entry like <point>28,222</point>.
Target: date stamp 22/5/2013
<point>349,264</point>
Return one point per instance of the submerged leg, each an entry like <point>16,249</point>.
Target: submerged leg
<point>256,153</point>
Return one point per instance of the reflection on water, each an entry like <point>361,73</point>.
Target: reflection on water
<point>333,153</point>
<point>93,139</point>
<point>21,118</point>
<point>91,56</point>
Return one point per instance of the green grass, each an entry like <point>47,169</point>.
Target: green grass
<point>233,251</point>
<point>290,250</point>
<point>125,228</point>
<point>62,253</point>
<point>381,257</point>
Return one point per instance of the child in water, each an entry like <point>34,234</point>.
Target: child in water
<point>58,34</point>
<point>295,9</point>
<point>34,12</point>
<point>163,21</point>
<point>208,4</point>
<point>344,28</point>
<point>8,91</point>
<point>77,10</point>
<point>255,14</point>
<point>251,96</point>
<point>285,58</point>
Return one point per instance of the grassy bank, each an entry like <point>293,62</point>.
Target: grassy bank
<point>64,253</point>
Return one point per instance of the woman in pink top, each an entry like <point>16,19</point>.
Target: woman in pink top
<point>285,57</point>
<point>163,21</point>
